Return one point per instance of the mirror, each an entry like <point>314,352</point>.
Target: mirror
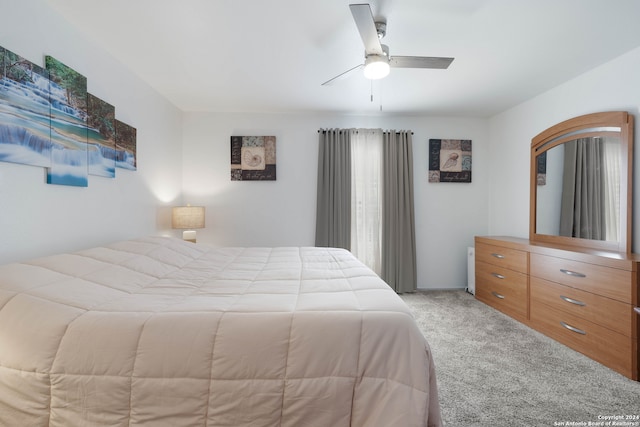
<point>581,182</point>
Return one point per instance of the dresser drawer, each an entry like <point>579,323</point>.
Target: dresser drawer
<point>603,345</point>
<point>606,281</point>
<point>503,289</point>
<point>606,312</point>
<point>505,257</point>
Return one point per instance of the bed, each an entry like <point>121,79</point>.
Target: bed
<point>161,332</point>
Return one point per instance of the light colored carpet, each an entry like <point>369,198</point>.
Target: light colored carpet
<point>494,371</point>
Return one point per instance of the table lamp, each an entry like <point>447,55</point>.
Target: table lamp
<point>188,218</point>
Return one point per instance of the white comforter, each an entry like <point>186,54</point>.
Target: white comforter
<point>161,332</point>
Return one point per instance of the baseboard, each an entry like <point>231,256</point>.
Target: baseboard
<point>440,289</point>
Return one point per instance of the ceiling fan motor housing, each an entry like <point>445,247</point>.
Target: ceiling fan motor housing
<point>381,29</point>
<point>385,53</point>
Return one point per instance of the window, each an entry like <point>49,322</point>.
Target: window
<point>366,197</point>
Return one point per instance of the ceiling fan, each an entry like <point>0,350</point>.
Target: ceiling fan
<point>378,62</point>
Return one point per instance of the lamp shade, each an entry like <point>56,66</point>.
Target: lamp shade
<point>376,67</point>
<point>187,217</point>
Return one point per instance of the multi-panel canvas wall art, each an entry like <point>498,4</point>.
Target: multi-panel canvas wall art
<point>48,119</point>
<point>449,160</point>
<point>253,158</point>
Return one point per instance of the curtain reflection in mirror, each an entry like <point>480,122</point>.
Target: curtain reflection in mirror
<point>612,188</point>
<point>590,192</point>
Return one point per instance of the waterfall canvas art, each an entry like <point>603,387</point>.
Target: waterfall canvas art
<point>126,146</point>
<point>24,111</point>
<point>48,119</point>
<point>102,137</point>
<point>69,131</point>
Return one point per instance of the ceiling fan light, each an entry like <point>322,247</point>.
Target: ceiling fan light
<point>376,67</point>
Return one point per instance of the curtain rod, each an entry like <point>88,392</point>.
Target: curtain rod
<point>343,130</point>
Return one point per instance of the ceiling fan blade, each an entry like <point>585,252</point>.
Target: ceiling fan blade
<point>420,62</point>
<point>341,76</point>
<point>367,28</point>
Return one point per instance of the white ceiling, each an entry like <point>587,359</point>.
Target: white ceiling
<point>273,55</point>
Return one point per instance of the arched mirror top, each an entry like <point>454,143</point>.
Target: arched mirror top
<point>581,177</point>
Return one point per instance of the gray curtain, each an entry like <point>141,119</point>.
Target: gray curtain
<point>582,212</point>
<point>333,214</point>
<point>398,220</point>
<point>333,211</point>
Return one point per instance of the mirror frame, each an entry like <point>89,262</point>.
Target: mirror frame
<point>556,135</point>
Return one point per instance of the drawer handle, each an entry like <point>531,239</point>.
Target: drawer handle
<point>497,295</point>
<point>572,273</point>
<point>499,276</point>
<point>499,256</point>
<point>637,309</point>
<point>573,301</point>
<point>573,329</point>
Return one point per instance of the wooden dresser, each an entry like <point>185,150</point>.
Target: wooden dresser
<point>583,298</point>
<point>502,278</point>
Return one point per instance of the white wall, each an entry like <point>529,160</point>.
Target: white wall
<point>282,212</point>
<point>611,87</point>
<point>37,218</point>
